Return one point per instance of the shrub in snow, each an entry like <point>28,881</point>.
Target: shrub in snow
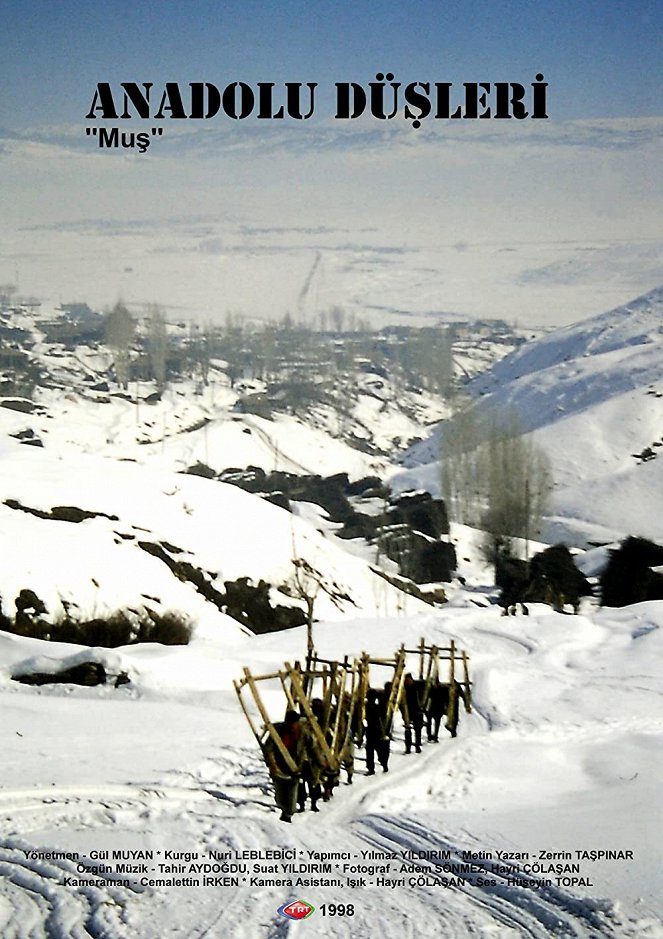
<point>628,577</point>
<point>550,577</point>
<point>86,673</point>
<point>120,628</point>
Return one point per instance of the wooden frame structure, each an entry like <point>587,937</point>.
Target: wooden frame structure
<point>341,687</point>
<point>395,691</point>
<point>432,669</point>
<point>344,687</point>
<point>268,730</point>
<point>293,686</point>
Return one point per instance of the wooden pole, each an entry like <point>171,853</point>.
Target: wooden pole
<point>468,687</point>
<point>290,763</point>
<point>305,705</point>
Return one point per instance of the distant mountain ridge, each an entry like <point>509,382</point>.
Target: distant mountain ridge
<point>576,367</point>
<point>591,395</point>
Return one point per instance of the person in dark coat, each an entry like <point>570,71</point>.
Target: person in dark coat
<point>345,745</point>
<point>438,704</point>
<point>377,737</point>
<point>412,711</point>
<point>313,764</point>
<point>284,779</point>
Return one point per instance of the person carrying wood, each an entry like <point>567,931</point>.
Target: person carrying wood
<point>314,764</point>
<point>377,738</point>
<point>456,693</point>
<point>412,712</point>
<point>438,705</point>
<point>285,778</point>
<point>347,731</point>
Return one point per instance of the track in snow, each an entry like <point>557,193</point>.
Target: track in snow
<point>226,803</point>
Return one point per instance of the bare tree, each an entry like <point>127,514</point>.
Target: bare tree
<point>120,329</point>
<point>306,583</point>
<point>158,347</point>
<point>517,480</point>
<point>205,356</point>
<point>426,356</point>
<point>200,343</point>
<point>337,316</point>
<point>462,435</point>
<point>494,478</point>
<point>7,291</point>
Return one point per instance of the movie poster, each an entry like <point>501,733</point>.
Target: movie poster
<point>331,469</point>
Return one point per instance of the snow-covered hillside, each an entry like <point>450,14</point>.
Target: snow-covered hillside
<point>101,563</point>
<point>592,396</point>
<point>572,370</point>
<point>120,457</point>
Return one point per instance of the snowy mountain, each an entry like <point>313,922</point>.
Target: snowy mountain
<point>591,395</point>
<point>573,369</point>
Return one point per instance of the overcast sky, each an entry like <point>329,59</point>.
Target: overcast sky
<point>590,172</point>
<point>602,59</point>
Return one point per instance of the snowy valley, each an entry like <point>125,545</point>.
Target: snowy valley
<point>158,495</point>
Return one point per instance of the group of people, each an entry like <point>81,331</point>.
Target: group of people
<point>422,704</point>
<point>299,762</point>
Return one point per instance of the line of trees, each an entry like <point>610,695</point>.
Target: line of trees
<point>277,352</point>
<point>149,353</point>
<point>494,478</point>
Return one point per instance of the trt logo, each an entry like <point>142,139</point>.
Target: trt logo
<point>298,909</point>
